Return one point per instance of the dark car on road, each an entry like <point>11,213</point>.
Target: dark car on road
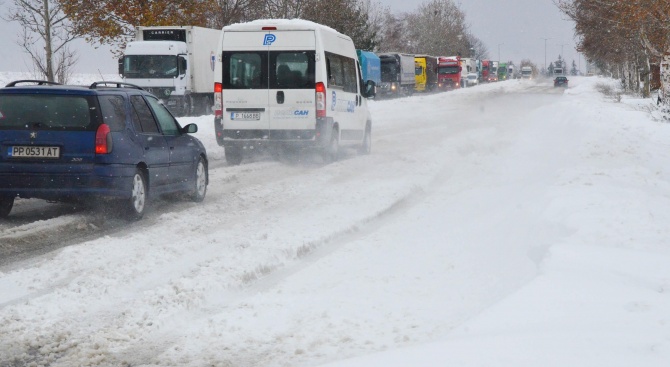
<point>109,140</point>
<point>561,81</point>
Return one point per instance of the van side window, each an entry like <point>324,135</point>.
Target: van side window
<point>335,75</point>
<point>349,71</point>
<point>342,72</point>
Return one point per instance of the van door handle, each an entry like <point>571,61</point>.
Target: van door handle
<point>280,97</point>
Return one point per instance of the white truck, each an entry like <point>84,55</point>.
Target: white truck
<point>526,72</point>
<point>176,64</point>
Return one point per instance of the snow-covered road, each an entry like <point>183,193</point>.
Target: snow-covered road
<point>458,209</point>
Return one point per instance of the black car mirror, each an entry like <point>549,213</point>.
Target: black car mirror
<point>370,89</point>
<point>190,129</point>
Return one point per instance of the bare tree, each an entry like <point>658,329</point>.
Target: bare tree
<point>438,28</point>
<point>392,33</point>
<point>45,37</point>
<point>479,49</point>
<point>225,12</point>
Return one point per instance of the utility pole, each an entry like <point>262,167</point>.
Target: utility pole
<point>545,53</point>
<point>563,56</point>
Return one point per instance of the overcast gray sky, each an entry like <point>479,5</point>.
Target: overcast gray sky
<point>518,26</point>
<point>515,27</point>
<point>13,58</point>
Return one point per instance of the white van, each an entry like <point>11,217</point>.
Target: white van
<point>289,83</point>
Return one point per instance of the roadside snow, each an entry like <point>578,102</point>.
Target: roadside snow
<point>504,225</point>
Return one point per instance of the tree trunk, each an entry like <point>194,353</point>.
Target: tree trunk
<point>47,40</point>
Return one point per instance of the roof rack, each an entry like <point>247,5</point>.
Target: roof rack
<point>39,82</point>
<point>118,85</point>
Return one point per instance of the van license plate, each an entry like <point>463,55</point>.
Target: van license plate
<point>20,151</point>
<point>245,116</point>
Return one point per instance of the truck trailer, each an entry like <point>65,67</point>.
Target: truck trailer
<point>174,63</point>
<point>397,73</point>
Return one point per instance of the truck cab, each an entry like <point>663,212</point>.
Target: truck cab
<point>397,75</point>
<point>425,72</point>
<point>449,73</point>
<point>159,67</point>
<point>174,63</point>
<point>502,72</point>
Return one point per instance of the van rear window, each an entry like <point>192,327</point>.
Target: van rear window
<point>268,70</point>
<point>47,112</point>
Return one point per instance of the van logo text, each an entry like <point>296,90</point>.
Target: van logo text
<point>269,38</point>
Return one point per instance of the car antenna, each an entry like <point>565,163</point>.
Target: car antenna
<point>103,78</point>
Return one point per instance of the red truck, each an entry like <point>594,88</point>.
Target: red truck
<point>486,70</point>
<point>448,72</point>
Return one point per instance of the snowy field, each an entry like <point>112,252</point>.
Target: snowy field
<point>510,224</point>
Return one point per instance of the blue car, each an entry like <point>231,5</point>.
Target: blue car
<point>109,140</point>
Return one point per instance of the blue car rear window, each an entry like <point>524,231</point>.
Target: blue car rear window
<point>47,112</point>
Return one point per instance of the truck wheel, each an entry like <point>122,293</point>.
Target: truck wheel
<point>199,181</point>
<point>233,155</point>
<point>136,205</point>
<point>6,204</point>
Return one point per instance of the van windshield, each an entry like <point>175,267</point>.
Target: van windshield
<point>273,70</point>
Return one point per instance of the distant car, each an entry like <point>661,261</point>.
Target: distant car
<point>561,81</point>
<point>473,79</point>
<point>109,140</point>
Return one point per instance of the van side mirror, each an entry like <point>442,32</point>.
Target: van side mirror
<point>121,65</point>
<point>370,89</point>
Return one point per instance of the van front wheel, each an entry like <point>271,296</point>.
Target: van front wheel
<point>366,146</point>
